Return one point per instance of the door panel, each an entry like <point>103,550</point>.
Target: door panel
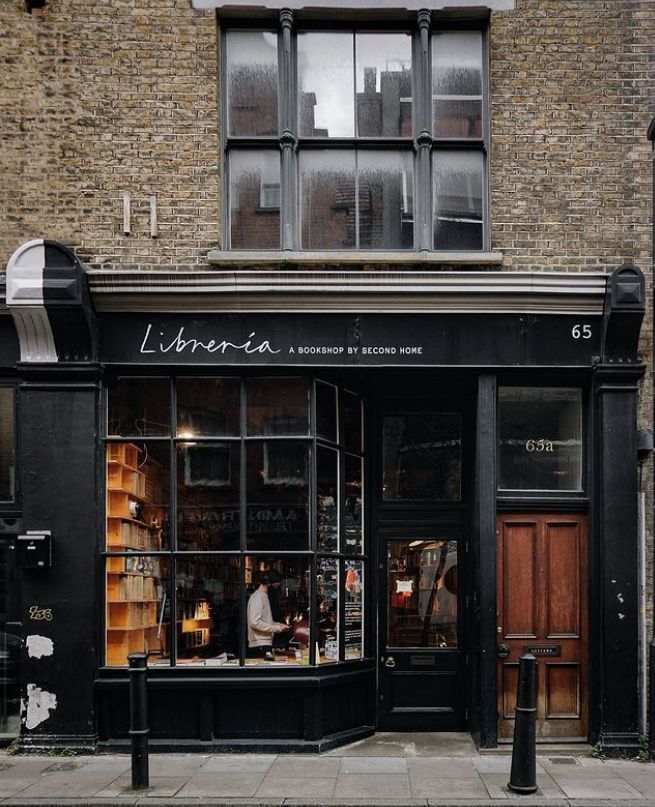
<point>420,663</point>
<point>542,606</point>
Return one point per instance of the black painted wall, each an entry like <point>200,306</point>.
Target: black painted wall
<point>58,441</point>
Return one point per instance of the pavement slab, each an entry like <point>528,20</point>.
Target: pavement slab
<point>383,765</point>
<point>449,788</point>
<point>222,784</point>
<point>316,787</point>
<point>441,768</point>
<point>372,785</point>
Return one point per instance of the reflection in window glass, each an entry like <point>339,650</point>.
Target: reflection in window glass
<point>353,609</point>
<point>208,407</point>
<point>422,593</point>
<point>326,411</point>
<point>386,199</point>
<point>139,407</point>
<point>278,406</point>
<point>457,84</point>
<point>327,199</point>
<point>325,85</point>
<point>353,520</point>
<point>7,456</point>
<point>327,610</point>
<point>458,191</point>
<point>208,604</point>
<point>138,496</point>
<point>252,82</point>
<point>540,438</point>
<point>422,457</point>
<point>277,611</point>
<point>277,494</point>
<point>384,85</point>
<point>138,608</point>
<point>208,496</point>
<point>254,199</point>
<point>352,422</point>
<point>327,507</point>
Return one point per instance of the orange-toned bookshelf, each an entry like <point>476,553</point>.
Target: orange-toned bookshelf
<point>134,524</point>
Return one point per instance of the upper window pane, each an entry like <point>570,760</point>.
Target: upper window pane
<point>208,407</point>
<point>254,199</point>
<point>327,199</point>
<point>140,407</point>
<point>422,457</point>
<point>386,199</point>
<point>457,84</point>
<point>326,411</point>
<point>352,421</point>
<point>384,85</point>
<point>540,438</point>
<point>252,82</point>
<point>278,406</point>
<point>326,85</point>
<point>7,452</point>
<point>458,190</point>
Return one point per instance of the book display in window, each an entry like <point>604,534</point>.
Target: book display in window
<point>135,517</point>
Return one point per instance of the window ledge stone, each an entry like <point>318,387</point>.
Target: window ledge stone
<point>364,260</point>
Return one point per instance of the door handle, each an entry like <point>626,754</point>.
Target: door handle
<point>502,651</point>
<point>390,662</point>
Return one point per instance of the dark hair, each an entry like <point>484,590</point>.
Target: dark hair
<point>269,577</point>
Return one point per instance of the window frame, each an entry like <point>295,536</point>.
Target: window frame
<point>290,144</point>
<point>13,503</point>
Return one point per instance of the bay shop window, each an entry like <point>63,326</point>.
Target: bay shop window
<point>234,528</point>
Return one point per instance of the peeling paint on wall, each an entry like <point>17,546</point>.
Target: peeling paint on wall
<point>39,705</point>
<point>39,646</point>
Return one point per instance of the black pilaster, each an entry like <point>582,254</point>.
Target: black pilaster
<point>61,492</point>
<point>483,680</point>
<point>616,723</point>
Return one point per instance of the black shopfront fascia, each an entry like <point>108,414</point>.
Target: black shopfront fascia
<point>313,708</point>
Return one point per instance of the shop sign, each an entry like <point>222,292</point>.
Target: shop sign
<point>338,340</point>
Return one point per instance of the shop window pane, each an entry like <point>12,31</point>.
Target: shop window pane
<point>138,608</point>
<point>325,85</point>
<point>458,191</point>
<point>208,496</point>
<point>422,457</point>
<point>138,496</point>
<point>457,84</point>
<point>139,407</point>
<point>422,593</point>
<point>327,610</point>
<point>384,85</point>
<point>278,406</point>
<point>386,199</point>
<point>278,495</point>
<point>327,199</point>
<point>252,82</point>
<point>208,407</point>
<point>354,610</point>
<point>353,505</point>
<point>352,422</point>
<point>277,611</point>
<point>540,438</point>
<point>254,199</point>
<point>327,500</point>
<point>7,445</point>
<point>208,602</point>
<point>326,411</point>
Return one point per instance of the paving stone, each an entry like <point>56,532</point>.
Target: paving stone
<point>441,768</point>
<point>302,767</point>
<point>598,789</point>
<point>385,765</point>
<point>449,788</point>
<point>222,784</point>
<point>159,786</point>
<point>372,785</point>
<point>244,763</point>
<point>496,784</point>
<point>316,787</point>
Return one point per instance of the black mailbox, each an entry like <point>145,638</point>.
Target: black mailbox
<point>35,549</point>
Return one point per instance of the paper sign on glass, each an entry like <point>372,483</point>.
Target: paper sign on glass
<point>404,586</point>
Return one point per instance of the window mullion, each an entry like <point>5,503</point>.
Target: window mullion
<point>423,133</point>
<point>288,202</point>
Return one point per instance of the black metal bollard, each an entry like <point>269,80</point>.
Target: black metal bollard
<point>138,671</point>
<point>523,778</point>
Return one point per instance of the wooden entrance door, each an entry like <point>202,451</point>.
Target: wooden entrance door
<point>542,607</point>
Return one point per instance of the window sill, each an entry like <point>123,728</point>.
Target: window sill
<point>287,259</point>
